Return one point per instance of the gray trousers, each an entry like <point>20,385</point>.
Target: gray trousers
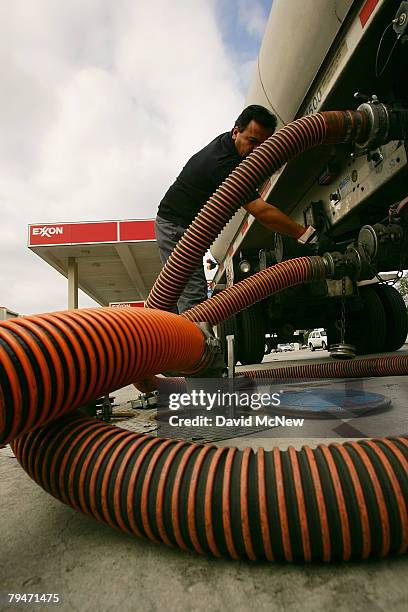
<point>167,235</point>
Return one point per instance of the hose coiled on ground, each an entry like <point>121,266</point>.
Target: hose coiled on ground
<point>334,502</point>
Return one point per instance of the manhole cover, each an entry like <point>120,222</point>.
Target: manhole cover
<point>338,403</point>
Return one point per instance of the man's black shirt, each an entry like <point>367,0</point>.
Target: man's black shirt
<point>198,180</point>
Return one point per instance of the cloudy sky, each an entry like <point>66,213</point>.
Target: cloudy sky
<point>101,104</point>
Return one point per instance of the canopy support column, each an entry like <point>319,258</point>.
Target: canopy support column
<point>72,283</point>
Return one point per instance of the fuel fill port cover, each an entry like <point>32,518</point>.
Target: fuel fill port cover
<point>323,403</point>
<point>368,241</point>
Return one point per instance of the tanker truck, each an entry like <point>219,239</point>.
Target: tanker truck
<point>322,55</point>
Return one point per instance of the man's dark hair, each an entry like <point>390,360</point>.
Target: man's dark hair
<point>260,114</point>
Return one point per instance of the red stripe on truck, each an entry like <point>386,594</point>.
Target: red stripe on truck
<point>366,11</point>
<point>244,227</point>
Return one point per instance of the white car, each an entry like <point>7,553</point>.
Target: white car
<point>317,339</point>
<point>285,347</point>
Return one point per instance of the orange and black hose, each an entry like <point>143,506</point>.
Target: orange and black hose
<point>53,363</point>
<point>387,365</point>
<point>336,502</point>
<point>257,287</point>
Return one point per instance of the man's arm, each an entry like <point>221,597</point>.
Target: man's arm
<point>274,219</point>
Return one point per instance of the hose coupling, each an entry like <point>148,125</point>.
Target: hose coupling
<point>353,263</point>
<point>211,364</point>
<point>335,265</point>
<point>385,123</point>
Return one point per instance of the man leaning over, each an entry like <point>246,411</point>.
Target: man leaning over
<point>198,180</point>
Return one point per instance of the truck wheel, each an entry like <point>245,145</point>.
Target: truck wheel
<point>395,315</point>
<point>367,328</point>
<point>229,327</point>
<point>252,336</point>
<point>311,346</point>
<point>323,345</point>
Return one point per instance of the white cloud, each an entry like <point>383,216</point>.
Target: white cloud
<point>102,103</point>
<point>252,15</point>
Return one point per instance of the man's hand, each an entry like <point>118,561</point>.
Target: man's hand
<point>274,219</point>
<point>319,243</point>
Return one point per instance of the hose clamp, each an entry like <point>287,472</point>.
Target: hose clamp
<point>211,364</point>
<point>379,124</point>
<point>354,263</point>
<point>335,265</point>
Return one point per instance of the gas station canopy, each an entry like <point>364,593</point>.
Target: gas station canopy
<point>111,261</point>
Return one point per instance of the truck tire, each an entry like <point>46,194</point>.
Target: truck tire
<point>227,328</point>
<point>395,315</point>
<point>251,347</point>
<point>366,328</point>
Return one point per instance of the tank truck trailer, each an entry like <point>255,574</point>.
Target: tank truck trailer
<point>330,55</point>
